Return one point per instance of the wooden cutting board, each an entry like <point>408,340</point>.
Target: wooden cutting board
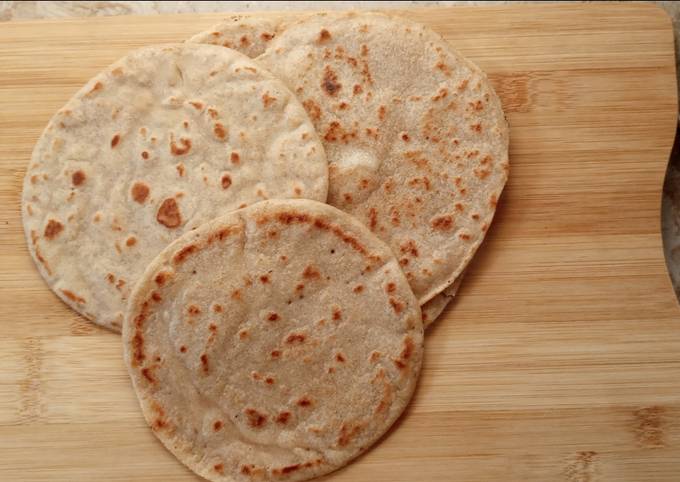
<point>560,358</point>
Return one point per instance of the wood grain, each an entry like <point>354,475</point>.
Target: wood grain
<point>560,358</point>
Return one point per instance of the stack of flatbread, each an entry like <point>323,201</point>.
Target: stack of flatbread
<point>270,213</point>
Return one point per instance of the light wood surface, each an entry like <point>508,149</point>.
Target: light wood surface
<point>559,359</point>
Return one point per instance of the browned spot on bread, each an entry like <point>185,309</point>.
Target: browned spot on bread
<point>256,376</point>
<point>131,241</point>
<point>397,306</point>
<point>148,374</point>
<point>297,191</point>
<point>292,217</point>
<point>330,83</point>
<point>403,261</point>
<point>407,351</point>
<point>459,207</point>
<point>357,89</point>
<point>161,278</point>
<point>464,236</point>
<point>213,113</point>
<point>97,86</point>
<point>217,425</point>
<point>117,72</point>
<point>337,314</point>
<point>235,158</point>
<point>265,36</point>
<point>476,127</point>
<point>226,181</point>
<point>463,84</point>
<point>311,272</point>
<point>348,197</point>
<point>53,229</point>
<point>181,148</point>
<point>304,402</point>
<point>219,468</point>
<point>381,112</point>
<point>236,295</point>
<point>255,418</point>
<point>219,131</point>
<point>115,140</point>
<point>264,279</point>
<point>282,418</point>
<point>185,124</point>
<point>373,218</point>
<point>110,278</point>
<point>340,357</point>
<point>247,469</point>
<point>243,334</point>
<point>409,247</point>
<point>78,177</point>
<point>276,353</point>
<point>313,109</point>
<point>197,105</point>
<point>183,349</point>
<point>73,297</point>
<point>180,169</point>
<point>158,424</point>
<point>217,308</point>
<point>168,214</point>
<point>273,316</point>
<point>347,433</point>
<point>184,253</point>
<point>358,288</point>
<point>212,327</point>
<point>374,356</point>
<point>267,100</point>
<point>442,223</point>
<point>269,381</point>
<point>288,469</point>
<point>139,192</point>
<point>324,35</point>
<point>391,287</point>
<point>295,338</point>
<point>443,92</point>
<point>193,310</point>
<point>138,345</point>
<point>120,284</point>
<point>244,41</point>
<point>370,132</point>
<point>204,363</point>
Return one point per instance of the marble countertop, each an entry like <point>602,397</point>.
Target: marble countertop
<point>26,10</point>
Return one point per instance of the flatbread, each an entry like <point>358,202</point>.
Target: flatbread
<point>249,35</point>
<point>275,343</point>
<point>416,139</point>
<point>160,142</point>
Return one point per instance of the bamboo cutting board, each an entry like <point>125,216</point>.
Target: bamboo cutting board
<point>560,358</point>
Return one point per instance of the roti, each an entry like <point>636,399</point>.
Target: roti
<point>277,342</point>
<point>152,147</point>
<point>250,35</point>
<point>416,139</point>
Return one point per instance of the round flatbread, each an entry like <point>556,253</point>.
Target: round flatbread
<point>249,35</point>
<point>415,136</point>
<point>274,343</point>
<point>160,142</point>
